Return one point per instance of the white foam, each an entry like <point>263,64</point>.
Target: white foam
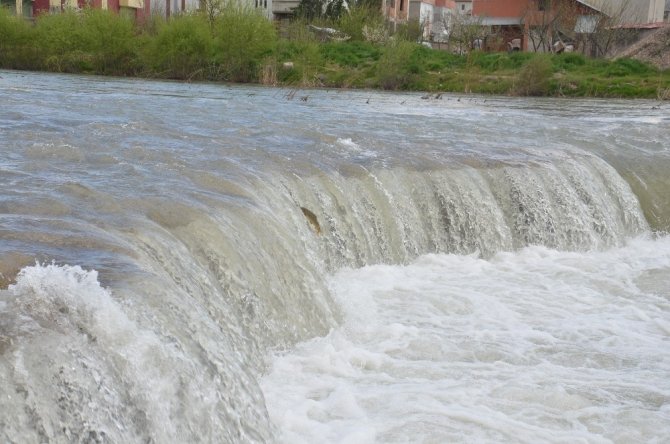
<point>354,148</point>
<point>61,315</point>
<point>533,346</point>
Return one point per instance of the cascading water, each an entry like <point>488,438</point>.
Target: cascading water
<point>186,240</point>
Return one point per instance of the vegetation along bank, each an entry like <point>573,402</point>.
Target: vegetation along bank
<point>240,45</point>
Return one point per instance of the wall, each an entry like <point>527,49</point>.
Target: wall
<point>464,7</point>
<point>138,9</point>
<point>499,8</point>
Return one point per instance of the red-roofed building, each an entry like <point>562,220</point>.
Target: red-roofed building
<point>530,20</point>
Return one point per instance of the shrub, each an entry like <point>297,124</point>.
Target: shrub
<point>243,38</point>
<point>91,40</point>
<point>411,31</point>
<point>182,48</point>
<point>363,22</point>
<point>306,58</point>
<point>60,43</point>
<point>534,77</point>
<point>395,66</point>
<point>115,53</point>
<point>16,42</point>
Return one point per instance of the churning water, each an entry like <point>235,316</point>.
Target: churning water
<point>188,263</point>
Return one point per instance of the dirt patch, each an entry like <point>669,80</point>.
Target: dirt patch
<point>653,49</point>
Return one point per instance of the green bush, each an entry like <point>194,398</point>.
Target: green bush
<point>535,76</point>
<point>361,22</point>
<point>91,40</point>
<point>110,39</point>
<point>411,31</point>
<point>243,38</point>
<point>307,60</point>
<point>181,49</point>
<point>60,47</point>
<point>395,66</point>
<point>17,42</point>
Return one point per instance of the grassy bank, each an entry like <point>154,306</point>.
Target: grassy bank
<point>242,46</point>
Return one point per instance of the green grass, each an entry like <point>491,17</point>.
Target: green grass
<point>354,54</point>
<point>242,46</point>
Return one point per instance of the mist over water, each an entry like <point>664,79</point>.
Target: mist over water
<point>189,262</point>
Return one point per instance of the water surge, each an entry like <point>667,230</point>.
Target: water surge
<point>153,273</point>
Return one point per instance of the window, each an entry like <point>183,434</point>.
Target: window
<point>462,7</point>
<point>542,5</point>
<point>402,5</point>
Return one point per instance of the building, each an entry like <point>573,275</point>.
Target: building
<point>137,9</point>
<point>283,9</point>
<point>167,8</point>
<point>504,18</point>
<point>464,6</point>
<point>634,11</point>
<point>430,14</point>
<point>533,22</point>
<point>444,16</point>
<point>20,7</point>
<point>423,11</point>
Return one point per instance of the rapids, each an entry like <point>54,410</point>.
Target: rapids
<point>211,263</point>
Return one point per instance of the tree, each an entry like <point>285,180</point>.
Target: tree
<point>332,9</point>
<point>548,21</point>
<point>211,9</point>
<point>315,9</point>
<point>464,31</point>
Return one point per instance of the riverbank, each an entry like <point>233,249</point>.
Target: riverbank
<point>239,46</point>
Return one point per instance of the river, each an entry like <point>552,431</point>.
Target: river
<point>188,262</point>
